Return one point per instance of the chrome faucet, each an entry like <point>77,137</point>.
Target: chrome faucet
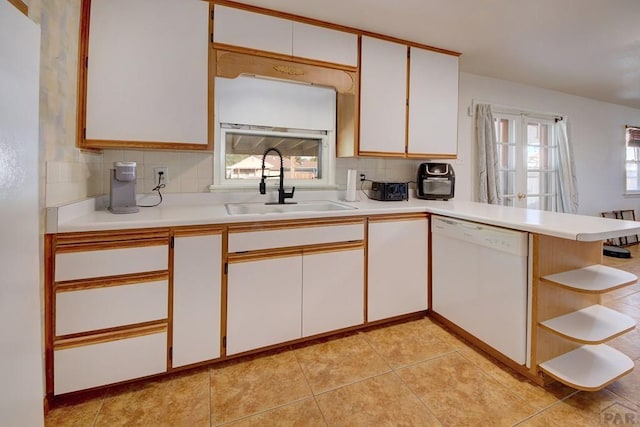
<point>282,195</point>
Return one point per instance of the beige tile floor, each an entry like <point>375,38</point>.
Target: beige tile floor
<point>410,374</point>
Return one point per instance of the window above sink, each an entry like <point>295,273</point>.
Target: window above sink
<point>255,114</point>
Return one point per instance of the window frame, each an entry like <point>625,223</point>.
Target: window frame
<point>628,130</point>
<point>327,159</point>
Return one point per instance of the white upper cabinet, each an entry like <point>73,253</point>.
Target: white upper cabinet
<point>147,73</point>
<point>252,30</point>
<point>433,103</point>
<point>383,96</point>
<point>325,44</point>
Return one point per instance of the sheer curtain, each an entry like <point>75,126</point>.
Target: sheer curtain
<point>487,156</point>
<point>567,188</point>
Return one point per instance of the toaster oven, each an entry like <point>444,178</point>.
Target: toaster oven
<point>435,181</point>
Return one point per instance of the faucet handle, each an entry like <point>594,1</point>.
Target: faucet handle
<point>290,195</point>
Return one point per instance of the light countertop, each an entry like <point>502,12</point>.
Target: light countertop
<point>209,209</point>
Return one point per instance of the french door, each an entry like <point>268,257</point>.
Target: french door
<point>528,161</point>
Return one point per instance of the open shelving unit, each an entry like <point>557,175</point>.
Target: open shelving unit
<point>584,362</point>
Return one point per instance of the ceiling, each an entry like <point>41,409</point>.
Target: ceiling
<point>588,48</point>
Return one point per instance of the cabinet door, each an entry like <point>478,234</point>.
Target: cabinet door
<point>108,362</point>
<point>263,303</point>
<point>397,268</point>
<point>433,103</point>
<point>252,30</point>
<point>325,44</point>
<point>196,298</point>
<point>147,71</point>
<point>383,96</point>
<point>335,300</point>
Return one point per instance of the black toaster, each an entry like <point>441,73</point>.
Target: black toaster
<point>435,181</point>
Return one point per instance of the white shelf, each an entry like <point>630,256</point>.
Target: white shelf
<point>590,367</point>
<point>591,325</point>
<point>593,279</point>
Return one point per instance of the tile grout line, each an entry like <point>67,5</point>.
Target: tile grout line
<point>423,403</point>
<point>313,394</point>
<point>95,417</point>
<point>546,408</point>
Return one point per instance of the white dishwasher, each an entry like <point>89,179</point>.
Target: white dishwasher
<point>480,282</point>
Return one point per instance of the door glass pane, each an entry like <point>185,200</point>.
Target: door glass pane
<point>533,157</point>
<point>533,182</point>
<point>507,182</point>
<point>506,156</point>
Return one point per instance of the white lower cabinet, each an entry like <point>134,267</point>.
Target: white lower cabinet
<point>397,267</point>
<point>263,302</point>
<point>92,365</point>
<point>332,291</point>
<point>196,298</point>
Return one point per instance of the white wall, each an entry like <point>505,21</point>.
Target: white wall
<point>596,130</point>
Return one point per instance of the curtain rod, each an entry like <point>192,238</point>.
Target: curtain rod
<point>513,109</point>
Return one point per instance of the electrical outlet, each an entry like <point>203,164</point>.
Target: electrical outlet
<point>161,179</point>
<point>362,177</point>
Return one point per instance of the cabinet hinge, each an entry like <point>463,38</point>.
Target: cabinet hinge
<point>224,341</point>
<point>211,37</point>
<point>226,268</point>
<point>86,62</point>
<point>212,14</point>
<point>172,242</point>
<point>171,353</point>
<point>84,133</point>
<point>407,102</point>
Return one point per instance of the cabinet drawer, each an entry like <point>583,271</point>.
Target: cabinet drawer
<point>79,368</point>
<point>100,308</point>
<point>287,237</point>
<point>110,262</point>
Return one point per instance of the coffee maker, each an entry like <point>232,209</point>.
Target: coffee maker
<point>122,191</point>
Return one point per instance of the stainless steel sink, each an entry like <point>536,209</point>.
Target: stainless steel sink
<point>253,208</point>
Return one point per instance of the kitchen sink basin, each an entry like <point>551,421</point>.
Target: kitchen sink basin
<point>302,206</point>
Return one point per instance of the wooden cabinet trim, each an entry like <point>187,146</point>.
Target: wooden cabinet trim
<point>326,24</point>
<point>106,282</point>
<point>301,223</point>
<point>83,54</point>
<point>99,246</point>
<point>335,247</point>
<point>222,48</point>
<point>152,145</point>
<point>21,6</point>
<point>63,239</point>
<point>233,61</point>
<point>399,217</point>
<point>235,258</point>
<point>111,334</point>
<point>293,251</point>
<point>198,231</point>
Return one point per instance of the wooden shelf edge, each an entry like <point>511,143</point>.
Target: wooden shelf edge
<point>565,367</point>
<point>592,314</point>
<point>592,274</point>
